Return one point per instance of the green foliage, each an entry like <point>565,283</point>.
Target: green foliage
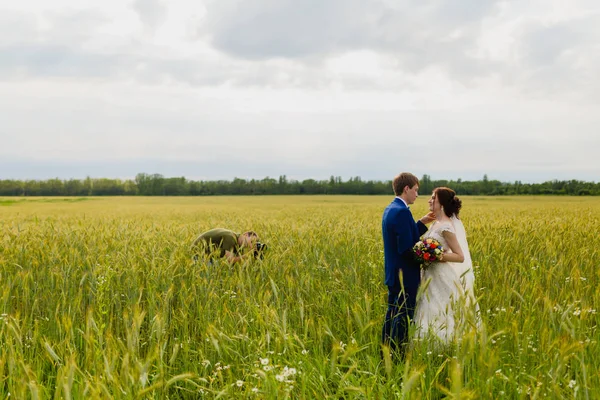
<point>101,299</point>
<point>158,185</point>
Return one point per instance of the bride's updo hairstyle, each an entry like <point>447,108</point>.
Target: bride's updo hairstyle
<point>448,200</point>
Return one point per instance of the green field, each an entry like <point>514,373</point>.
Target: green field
<point>100,299</point>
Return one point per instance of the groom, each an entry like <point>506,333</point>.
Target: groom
<point>402,272</point>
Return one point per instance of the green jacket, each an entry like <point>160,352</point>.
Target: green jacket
<point>218,240</point>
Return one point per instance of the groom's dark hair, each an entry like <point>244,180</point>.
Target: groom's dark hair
<point>402,180</point>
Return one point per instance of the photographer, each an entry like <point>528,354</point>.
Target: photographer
<point>225,243</point>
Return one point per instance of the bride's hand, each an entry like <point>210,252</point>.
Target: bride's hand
<point>430,217</point>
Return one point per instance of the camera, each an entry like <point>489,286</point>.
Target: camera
<point>259,249</point>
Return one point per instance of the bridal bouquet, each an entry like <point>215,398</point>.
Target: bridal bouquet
<point>428,251</point>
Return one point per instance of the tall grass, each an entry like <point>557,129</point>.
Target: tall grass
<point>100,299</point>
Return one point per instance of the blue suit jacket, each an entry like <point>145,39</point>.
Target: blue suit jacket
<point>400,233</point>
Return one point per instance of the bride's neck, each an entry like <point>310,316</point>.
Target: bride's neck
<point>442,218</point>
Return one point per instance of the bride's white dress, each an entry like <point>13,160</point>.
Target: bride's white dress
<point>446,305</point>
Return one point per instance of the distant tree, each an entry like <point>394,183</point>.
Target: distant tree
<point>425,184</point>
<point>158,185</point>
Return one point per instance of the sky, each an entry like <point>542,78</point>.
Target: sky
<point>218,89</point>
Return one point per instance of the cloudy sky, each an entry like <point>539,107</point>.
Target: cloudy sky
<point>217,89</point>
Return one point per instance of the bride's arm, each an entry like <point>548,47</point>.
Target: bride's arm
<point>457,255</point>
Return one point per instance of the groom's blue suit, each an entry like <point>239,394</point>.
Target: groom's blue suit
<point>400,233</point>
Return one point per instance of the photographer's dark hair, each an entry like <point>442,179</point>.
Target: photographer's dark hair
<point>449,200</point>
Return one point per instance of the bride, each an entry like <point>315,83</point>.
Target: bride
<point>446,302</point>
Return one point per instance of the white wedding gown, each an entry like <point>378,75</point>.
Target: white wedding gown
<point>446,305</point>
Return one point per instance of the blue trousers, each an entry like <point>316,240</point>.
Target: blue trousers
<point>401,310</point>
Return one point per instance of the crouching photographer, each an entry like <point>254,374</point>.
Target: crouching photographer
<point>224,243</point>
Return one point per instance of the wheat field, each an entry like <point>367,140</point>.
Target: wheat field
<point>100,299</point>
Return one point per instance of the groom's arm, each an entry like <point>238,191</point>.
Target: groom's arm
<point>421,227</point>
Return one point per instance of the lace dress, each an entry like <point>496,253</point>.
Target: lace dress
<point>446,300</point>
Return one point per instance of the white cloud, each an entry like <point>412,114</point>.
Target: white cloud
<point>307,89</point>
<point>152,13</point>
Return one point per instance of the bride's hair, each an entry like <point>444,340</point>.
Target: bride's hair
<point>449,200</point>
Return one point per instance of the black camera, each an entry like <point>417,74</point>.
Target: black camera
<point>259,249</point>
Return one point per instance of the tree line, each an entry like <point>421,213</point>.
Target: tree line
<point>158,185</point>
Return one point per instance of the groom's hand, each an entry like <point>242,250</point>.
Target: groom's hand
<point>430,217</point>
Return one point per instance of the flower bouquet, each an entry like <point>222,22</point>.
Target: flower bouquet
<point>428,251</point>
